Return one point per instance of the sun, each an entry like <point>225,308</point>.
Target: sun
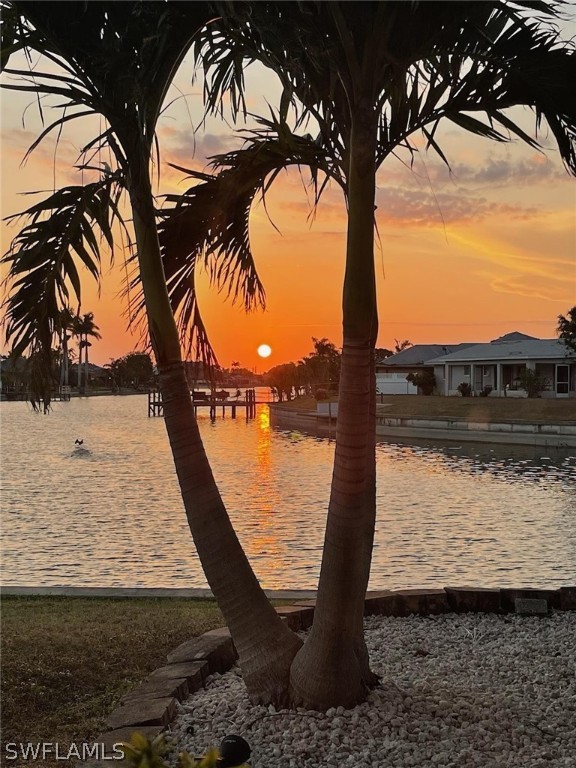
<point>264,350</point>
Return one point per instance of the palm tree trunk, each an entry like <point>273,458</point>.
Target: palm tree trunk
<point>332,668</point>
<point>265,645</point>
<point>79,369</point>
<point>86,363</point>
<point>66,360</point>
<point>64,353</point>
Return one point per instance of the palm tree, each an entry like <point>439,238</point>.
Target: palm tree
<point>400,346</point>
<point>370,75</point>
<point>66,323</point>
<point>84,326</point>
<point>118,60</point>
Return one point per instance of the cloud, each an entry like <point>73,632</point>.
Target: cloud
<point>521,269</point>
<point>525,285</point>
<point>501,171</point>
<point>495,171</point>
<point>183,146</point>
<point>326,210</point>
<point>420,207</point>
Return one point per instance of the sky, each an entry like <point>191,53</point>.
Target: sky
<point>469,255</point>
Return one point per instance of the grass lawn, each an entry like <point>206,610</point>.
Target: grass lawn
<point>471,408</point>
<point>66,661</point>
<point>480,408</point>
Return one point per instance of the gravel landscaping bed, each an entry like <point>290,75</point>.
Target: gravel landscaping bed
<point>457,691</point>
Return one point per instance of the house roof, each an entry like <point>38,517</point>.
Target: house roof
<point>524,349</point>
<point>419,354</point>
<point>93,369</point>
<point>514,336</point>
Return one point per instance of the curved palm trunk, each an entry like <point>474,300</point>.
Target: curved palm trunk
<point>332,668</point>
<point>265,654</point>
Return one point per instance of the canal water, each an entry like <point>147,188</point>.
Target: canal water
<point>110,513</point>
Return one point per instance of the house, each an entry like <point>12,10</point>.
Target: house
<point>499,363</point>
<point>14,375</point>
<point>97,375</point>
<point>391,371</point>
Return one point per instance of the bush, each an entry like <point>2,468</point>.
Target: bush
<point>486,390</point>
<point>532,383</point>
<point>465,389</point>
<point>425,381</point>
<point>321,394</point>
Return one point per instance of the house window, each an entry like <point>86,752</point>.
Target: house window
<point>562,379</point>
<point>486,370</point>
<point>466,370</point>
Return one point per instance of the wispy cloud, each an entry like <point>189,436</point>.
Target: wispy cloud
<point>422,207</point>
<point>517,271</point>
<point>525,285</point>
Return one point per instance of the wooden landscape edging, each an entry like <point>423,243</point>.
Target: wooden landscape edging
<point>152,706</point>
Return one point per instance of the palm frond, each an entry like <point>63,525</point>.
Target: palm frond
<point>488,58</point>
<point>209,223</point>
<point>10,34</point>
<point>118,58</point>
<point>43,275</point>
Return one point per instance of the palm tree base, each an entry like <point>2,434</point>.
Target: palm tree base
<point>267,675</point>
<point>325,675</point>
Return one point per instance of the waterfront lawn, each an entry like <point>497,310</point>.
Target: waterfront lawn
<point>484,409</point>
<point>66,661</point>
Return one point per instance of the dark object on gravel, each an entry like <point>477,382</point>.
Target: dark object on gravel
<point>234,750</point>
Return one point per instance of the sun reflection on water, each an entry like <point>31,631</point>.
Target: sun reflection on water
<point>265,499</point>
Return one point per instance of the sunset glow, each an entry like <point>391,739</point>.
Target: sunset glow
<point>462,255</point>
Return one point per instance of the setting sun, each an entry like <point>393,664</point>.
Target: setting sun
<point>264,350</point>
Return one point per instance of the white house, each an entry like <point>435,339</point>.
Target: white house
<point>391,371</point>
<point>499,363</point>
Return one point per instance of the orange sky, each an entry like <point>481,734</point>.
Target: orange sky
<point>467,257</point>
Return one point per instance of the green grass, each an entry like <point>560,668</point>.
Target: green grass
<point>480,408</point>
<point>471,408</point>
<point>67,661</point>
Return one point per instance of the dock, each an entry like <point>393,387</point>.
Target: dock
<point>23,395</point>
<point>215,403</point>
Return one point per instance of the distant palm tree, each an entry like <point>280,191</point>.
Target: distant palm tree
<point>66,325</point>
<point>82,327</point>
<point>85,326</point>
<point>400,346</point>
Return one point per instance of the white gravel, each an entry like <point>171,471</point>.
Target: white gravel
<point>457,691</point>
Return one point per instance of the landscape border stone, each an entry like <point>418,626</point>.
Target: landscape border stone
<point>148,710</point>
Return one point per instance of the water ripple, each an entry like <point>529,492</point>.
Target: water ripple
<point>112,515</point>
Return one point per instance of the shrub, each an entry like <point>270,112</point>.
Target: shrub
<point>425,381</point>
<point>321,394</point>
<point>532,383</point>
<point>465,389</point>
<point>486,390</point>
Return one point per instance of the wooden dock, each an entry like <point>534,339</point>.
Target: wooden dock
<point>62,394</point>
<point>213,403</point>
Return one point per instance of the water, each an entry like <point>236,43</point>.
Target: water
<point>110,514</point>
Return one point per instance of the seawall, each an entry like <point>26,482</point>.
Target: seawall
<point>504,432</point>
